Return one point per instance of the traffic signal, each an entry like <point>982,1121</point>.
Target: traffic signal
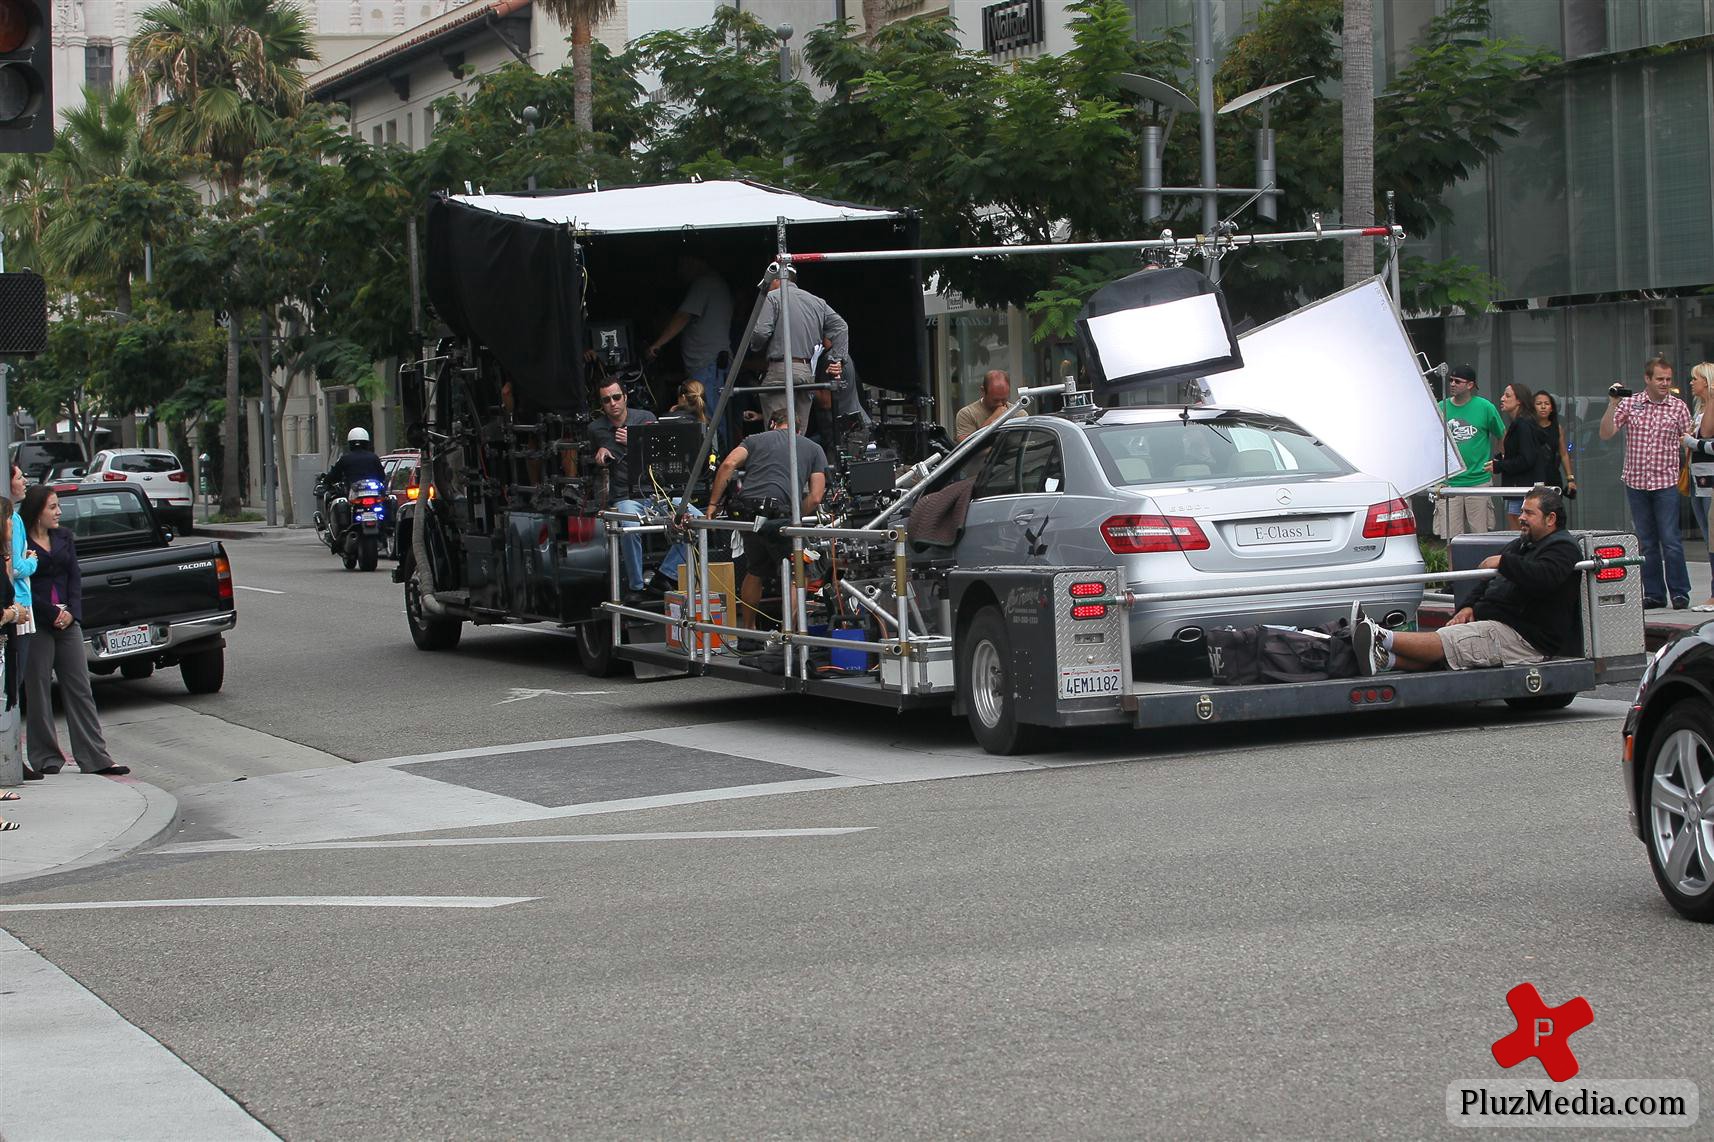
<point>26,77</point>
<point>23,313</point>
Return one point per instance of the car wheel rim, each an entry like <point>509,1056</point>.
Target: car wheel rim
<point>987,683</point>
<point>1681,812</point>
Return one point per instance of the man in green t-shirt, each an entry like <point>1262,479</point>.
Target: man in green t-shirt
<point>1476,428</point>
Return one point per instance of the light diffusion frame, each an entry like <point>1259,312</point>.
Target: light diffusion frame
<point>1343,368</point>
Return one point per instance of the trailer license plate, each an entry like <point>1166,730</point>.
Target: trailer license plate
<point>128,638</point>
<point>1253,533</point>
<point>1092,682</point>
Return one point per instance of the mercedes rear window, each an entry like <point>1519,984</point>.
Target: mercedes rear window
<point>146,462</point>
<point>1223,449</point>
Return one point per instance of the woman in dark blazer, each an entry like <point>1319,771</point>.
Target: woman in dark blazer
<point>56,591</point>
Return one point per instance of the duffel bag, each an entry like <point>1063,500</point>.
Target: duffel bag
<point>1291,654</point>
<point>1234,658</point>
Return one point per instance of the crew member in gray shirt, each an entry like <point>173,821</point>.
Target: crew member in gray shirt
<point>704,319</point>
<point>768,491</point>
<point>813,323</point>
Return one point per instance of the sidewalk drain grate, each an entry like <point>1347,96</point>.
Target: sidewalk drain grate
<point>605,771</point>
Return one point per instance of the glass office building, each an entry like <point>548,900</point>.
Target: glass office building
<point>1597,220</point>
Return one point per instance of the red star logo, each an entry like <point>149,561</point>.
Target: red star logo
<point>1543,1032</point>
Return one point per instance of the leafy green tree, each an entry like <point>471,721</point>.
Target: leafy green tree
<point>226,73</point>
<point>729,116</point>
<point>481,138</point>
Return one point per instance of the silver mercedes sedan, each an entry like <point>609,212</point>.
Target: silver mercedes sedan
<point>1193,499</point>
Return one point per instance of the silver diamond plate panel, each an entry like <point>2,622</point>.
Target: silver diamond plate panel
<point>1088,653</point>
<point>1612,610</point>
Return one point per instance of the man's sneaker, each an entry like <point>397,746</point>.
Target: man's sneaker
<point>1681,602</point>
<point>1371,648</point>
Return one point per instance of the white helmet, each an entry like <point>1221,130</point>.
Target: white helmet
<point>357,436</point>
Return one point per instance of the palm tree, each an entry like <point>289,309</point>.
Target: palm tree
<point>224,74</point>
<point>1358,208</point>
<point>110,193</point>
<point>582,15</point>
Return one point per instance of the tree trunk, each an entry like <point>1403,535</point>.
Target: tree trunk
<point>583,83</point>
<point>1358,208</point>
<point>282,394</point>
<point>874,15</point>
<point>122,294</point>
<point>231,501</point>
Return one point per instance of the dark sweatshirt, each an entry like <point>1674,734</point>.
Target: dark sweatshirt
<point>1536,593</point>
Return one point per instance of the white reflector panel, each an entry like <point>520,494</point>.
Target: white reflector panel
<point>1343,367</point>
<point>1157,337</point>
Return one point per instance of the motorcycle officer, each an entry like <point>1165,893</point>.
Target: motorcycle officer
<point>358,463</point>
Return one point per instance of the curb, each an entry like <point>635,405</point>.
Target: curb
<point>235,531</point>
<point>160,815</point>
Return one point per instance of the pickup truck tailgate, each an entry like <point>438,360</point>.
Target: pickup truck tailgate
<point>153,585</point>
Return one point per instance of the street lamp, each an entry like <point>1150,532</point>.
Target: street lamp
<point>532,116</point>
<point>784,33</point>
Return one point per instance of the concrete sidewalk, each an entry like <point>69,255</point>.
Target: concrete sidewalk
<point>71,820</point>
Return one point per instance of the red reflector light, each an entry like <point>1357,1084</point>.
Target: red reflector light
<point>1087,590</point>
<point>223,576</point>
<point>1610,574</point>
<point>581,528</point>
<point>1141,534</point>
<point>368,501</point>
<point>1386,693</point>
<point>1089,611</point>
<point>1391,518</point>
<point>113,477</point>
<point>178,477</point>
<point>1356,697</point>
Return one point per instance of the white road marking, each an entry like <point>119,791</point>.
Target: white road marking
<point>563,839</point>
<point>260,590</point>
<point>524,694</point>
<point>146,1092</point>
<point>283,901</point>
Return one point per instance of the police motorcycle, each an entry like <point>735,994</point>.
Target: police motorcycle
<point>355,521</point>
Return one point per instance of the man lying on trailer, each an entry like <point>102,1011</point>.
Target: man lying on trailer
<point>766,495</point>
<point>1526,614</point>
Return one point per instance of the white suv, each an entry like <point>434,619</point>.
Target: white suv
<point>158,473</point>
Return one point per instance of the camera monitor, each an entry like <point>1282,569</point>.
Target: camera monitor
<point>662,455</point>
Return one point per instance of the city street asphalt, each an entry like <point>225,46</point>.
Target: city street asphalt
<point>1288,930</point>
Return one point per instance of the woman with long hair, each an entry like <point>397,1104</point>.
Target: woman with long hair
<point>10,612</point>
<point>692,401</point>
<point>1520,459</point>
<point>1702,413</point>
<point>57,647</point>
<point>1552,432</point>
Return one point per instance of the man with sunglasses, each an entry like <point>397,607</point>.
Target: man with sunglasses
<point>611,435</point>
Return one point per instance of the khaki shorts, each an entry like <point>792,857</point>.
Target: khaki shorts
<point>1458,515</point>
<point>1486,643</point>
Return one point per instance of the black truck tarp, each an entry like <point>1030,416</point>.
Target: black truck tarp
<point>503,270</point>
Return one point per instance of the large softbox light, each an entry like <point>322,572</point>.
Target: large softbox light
<point>1159,326</point>
<point>1343,368</point>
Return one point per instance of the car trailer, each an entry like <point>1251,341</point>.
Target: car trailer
<point>1020,648</point>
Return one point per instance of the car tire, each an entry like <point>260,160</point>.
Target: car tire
<point>368,551</point>
<point>595,648</point>
<point>1681,757</point>
<point>1537,702</point>
<point>205,672</point>
<point>136,669</point>
<point>985,686</point>
<point>426,632</point>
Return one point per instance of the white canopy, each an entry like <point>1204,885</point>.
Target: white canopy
<point>669,206</point>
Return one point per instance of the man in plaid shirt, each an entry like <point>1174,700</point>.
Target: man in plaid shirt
<point>1655,423</point>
